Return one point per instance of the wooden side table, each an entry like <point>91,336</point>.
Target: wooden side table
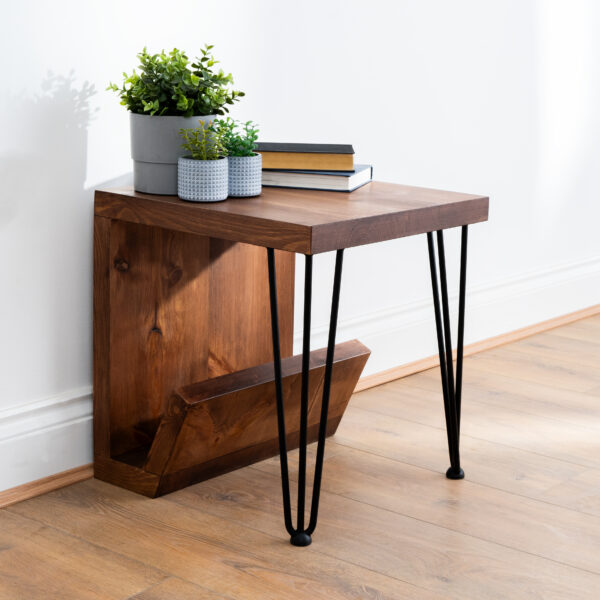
<point>312,222</point>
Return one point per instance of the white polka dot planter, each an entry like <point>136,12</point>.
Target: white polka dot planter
<point>202,180</point>
<point>245,175</point>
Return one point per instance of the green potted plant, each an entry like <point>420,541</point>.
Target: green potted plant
<point>245,165</point>
<point>168,94</point>
<point>202,176</point>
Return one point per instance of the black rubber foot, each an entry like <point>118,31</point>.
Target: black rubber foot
<point>452,473</point>
<point>301,539</point>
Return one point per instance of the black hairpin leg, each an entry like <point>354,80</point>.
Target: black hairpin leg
<point>451,390</point>
<point>301,535</point>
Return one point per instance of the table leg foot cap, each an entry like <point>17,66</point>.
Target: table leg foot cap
<point>453,473</point>
<point>301,539</point>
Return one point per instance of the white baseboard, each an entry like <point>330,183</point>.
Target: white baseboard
<point>406,333</point>
<point>45,437</point>
<point>42,438</point>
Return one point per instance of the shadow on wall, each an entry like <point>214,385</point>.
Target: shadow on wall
<point>48,135</point>
<point>46,230</point>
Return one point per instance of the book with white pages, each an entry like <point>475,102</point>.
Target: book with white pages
<point>334,181</point>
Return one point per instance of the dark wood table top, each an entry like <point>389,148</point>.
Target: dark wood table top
<point>306,221</point>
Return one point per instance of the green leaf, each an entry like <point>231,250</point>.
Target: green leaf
<point>168,85</point>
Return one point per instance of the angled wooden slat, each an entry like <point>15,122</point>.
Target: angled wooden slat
<point>222,423</point>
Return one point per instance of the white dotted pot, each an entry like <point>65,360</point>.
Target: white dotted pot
<point>245,175</point>
<point>202,180</point>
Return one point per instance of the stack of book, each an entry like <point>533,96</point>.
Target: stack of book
<point>312,166</point>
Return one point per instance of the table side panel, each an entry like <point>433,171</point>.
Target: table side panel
<point>182,308</point>
<point>101,337</point>
<point>159,325</point>
<point>239,326</point>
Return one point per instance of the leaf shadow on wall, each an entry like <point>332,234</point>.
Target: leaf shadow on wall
<point>46,234</point>
<point>48,134</point>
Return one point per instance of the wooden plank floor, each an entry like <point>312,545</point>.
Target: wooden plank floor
<point>525,523</point>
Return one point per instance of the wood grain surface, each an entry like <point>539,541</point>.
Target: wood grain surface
<point>171,308</point>
<point>230,421</point>
<point>306,221</point>
<point>101,336</point>
<point>524,523</point>
<point>44,485</point>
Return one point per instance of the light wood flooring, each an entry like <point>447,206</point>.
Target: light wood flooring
<point>525,523</point>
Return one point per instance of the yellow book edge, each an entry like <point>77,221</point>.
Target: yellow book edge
<point>308,161</point>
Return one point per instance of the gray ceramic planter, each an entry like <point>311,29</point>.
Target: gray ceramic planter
<point>155,148</point>
<point>245,175</point>
<point>202,180</point>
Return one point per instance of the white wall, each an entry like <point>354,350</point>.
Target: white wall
<point>496,97</point>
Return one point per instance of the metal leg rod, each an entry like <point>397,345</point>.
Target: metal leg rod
<point>304,391</point>
<point>450,389</point>
<point>440,339</point>
<point>301,536</point>
<point>285,479</point>
<point>461,319</point>
<point>446,316</point>
<point>335,304</point>
<point>453,422</point>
